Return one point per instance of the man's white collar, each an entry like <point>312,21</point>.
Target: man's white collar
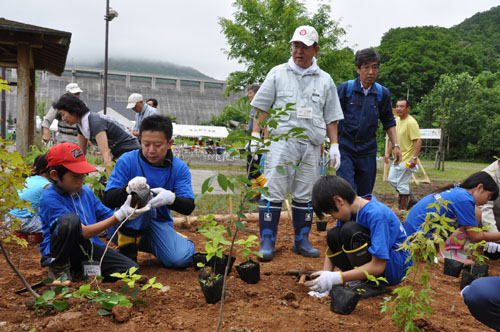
<point>301,71</point>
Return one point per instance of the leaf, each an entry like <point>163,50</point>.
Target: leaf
<point>134,292</point>
<point>103,312</point>
<point>222,180</point>
<point>48,295</point>
<point>280,170</point>
<point>207,184</point>
<point>239,224</point>
<point>125,289</point>
<point>60,305</point>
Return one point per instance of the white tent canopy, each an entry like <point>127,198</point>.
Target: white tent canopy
<point>118,117</point>
<point>199,131</point>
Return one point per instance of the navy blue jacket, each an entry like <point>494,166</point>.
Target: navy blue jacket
<point>357,132</point>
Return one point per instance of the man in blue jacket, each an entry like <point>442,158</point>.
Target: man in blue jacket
<point>153,166</point>
<point>363,102</point>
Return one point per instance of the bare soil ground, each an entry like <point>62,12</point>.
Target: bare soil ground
<point>277,303</point>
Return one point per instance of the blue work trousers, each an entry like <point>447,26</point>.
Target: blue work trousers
<point>359,170</point>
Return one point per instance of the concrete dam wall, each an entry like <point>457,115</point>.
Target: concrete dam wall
<point>191,101</point>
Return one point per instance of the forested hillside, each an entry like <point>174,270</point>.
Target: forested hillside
<point>481,32</point>
<point>149,67</point>
<point>453,77</point>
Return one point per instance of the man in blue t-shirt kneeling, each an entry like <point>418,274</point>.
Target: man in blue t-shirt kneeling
<point>153,166</point>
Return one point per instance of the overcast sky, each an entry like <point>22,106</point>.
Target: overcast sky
<point>186,32</point>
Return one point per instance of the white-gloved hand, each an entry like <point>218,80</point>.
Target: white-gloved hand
<point>325,281</point>
<point>137,183</point>
<point>335,155</point>
<point>492,247</point>
<point>163,197</point>
<point>127,211</point>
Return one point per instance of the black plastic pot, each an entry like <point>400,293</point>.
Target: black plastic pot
<point>344,300</point>
<point>452,267</point>
<point>477,271</point>
<point>467,279</point>
<point>220,264</point>
<point>249,272</point>
<point>140,197</point>
<point>212,288</point>
<point>321,226</point>
<point>199,257</point>
<point>480,271</point>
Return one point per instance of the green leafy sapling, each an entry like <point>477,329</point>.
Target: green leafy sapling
<point>475,250</point>
<point>413,300</point>
<point>216,243</point>
<point>245,246</point>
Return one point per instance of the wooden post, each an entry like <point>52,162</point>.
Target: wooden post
<point>32,108</point>
<point>23,98</point>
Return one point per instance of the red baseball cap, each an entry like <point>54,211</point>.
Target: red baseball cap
<point>70,156</point>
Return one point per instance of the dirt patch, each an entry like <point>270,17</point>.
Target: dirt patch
<point>277,303</point>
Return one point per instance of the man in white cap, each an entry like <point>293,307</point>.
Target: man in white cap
<point>143,110</point>
<point>66,132</point>
<point>316,109</point>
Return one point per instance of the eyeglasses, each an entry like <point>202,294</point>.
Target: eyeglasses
<point>300,46</point>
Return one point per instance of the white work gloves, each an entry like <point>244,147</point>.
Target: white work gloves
<point>255,145</point>
<point>127,211</point>
<point>136,184</point>
<point>163,197</point>
<point>492,247</point>
<point>325,281</point>
<point>335,155</point>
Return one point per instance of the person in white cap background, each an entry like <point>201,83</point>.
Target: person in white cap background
<point>143,110</point>
<point>66,132</point>
<point>317,109</point>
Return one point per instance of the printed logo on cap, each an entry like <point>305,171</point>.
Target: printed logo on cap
<point>76,153</point>
<point>303,32</point>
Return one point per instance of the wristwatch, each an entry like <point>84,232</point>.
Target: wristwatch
<point>396,146</point>
<point>414,158</point>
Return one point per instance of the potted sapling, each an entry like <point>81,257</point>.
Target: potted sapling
<point>211,275</point>
<point>345,299</point>
<point>249,270</point>
<point>215,247</point>
<point>478,268</point>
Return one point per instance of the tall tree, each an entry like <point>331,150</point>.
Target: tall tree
<point>259,37</point>
<point>469,107</point>
<point>419,56</point>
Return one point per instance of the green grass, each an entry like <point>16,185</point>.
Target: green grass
<point>223,168</point>
<point>455,171</point>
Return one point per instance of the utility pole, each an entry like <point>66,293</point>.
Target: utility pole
<point>110,15</point>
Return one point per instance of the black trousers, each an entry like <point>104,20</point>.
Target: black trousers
<point>67,245</point>
<point>350,236</point>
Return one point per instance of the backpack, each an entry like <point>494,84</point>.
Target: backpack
<point>350,84</point>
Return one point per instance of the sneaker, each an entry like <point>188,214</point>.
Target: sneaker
<point>38,237</point>
<point>21,235</point>
<point>455,254</point>
<point>369,288</point>
<point>60,272</point>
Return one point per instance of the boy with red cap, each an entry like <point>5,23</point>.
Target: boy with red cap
<point>72,216</point>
